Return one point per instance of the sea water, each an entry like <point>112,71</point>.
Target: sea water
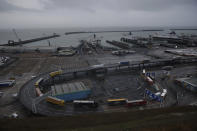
<point>74,39</point>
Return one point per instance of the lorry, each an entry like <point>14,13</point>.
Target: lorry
<point>54,100</point>
<point>136,103</point>
<point>7,83</point>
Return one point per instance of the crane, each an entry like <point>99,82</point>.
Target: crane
<point>16,35</point>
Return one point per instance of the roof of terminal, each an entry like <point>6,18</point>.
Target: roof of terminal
<point>68,88</point>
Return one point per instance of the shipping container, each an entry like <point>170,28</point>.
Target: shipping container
<point>136,103</point>
<point>55,101</point>
<point>115,102</point>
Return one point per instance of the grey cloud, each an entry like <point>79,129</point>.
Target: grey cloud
<point>63,13</point>
<point>5,6</point>
<point>154,5</point>
<point>114,5</point>
<point>8,7</point>
<point>120,5</point>
<point>85,5</point>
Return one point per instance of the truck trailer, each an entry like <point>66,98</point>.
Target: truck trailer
<point>55,100</point>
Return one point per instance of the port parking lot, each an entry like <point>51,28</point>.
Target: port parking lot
<point>118,84</point>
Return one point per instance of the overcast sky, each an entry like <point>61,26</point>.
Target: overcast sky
<point>96,13</point>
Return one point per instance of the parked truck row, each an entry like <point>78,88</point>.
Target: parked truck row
<point>94,104</point>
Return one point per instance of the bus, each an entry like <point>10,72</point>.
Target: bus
<point>115,102</point>
<point>81,103</point>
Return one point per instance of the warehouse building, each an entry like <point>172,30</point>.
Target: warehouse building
<point>71,91</point>
<point>189,83</point>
